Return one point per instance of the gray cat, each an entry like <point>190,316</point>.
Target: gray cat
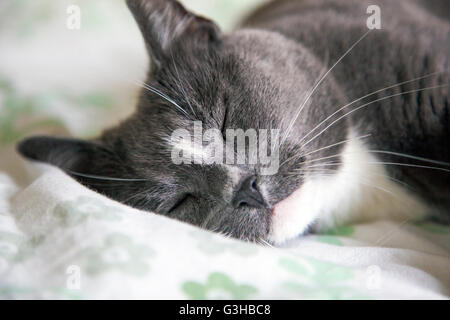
<point>363,116</point>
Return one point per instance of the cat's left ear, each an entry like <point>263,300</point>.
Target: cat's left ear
<point>166,22</point>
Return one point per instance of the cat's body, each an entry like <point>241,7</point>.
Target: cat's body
<point>414,40</point>
<point>339,162</point>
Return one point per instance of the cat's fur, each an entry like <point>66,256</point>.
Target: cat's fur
<point>258,77</point>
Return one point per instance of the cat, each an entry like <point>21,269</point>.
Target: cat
<point>363,116</point>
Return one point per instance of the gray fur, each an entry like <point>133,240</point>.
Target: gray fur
<point>257,77</point>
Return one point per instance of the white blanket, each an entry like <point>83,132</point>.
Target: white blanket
<point>61,240</point>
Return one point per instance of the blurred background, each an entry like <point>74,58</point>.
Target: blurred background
<point>62,81</point>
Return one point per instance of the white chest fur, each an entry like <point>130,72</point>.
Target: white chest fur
<point>359,191</point>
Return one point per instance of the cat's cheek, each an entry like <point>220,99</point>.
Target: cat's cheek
<point>290,217</point>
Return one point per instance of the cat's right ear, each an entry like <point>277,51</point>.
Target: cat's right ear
<point>166,22</point>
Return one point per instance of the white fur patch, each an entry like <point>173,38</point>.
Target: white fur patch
<point>360,191</point>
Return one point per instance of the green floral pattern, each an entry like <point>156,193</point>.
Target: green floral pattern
<point>32,293</point>
<point>320,272</point>
<point>319,279</point>
<point>74,212</point>
<point>333,236</point>
<point>13,248</point>
<point>218,286</point>
<point>118,253</point>
<point>213,245</point>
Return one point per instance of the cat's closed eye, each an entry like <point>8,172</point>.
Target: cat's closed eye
<point>182,202</point>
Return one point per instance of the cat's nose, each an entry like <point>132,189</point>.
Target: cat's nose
<point>248,195</point>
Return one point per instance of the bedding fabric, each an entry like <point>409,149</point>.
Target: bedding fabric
<point>61,240</point>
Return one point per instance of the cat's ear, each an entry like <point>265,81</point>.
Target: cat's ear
<point>166,22</point>
<point>74,156</point>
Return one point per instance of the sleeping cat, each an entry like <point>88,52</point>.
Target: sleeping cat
<point>363,117</point>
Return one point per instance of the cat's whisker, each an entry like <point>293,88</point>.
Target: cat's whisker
<point>127,200</point>
<point>110,185</point>
<point>383,239</point>
<point>162,95</point>
<point>368,104</point>
<point>322,158</point>
<point>301,155</point>
<point>313,172</point>
<point>309,169</point>
<point>305,173</point>
<point>336,144</point>
<point>384,152</point>
<point>294,157</point>
<point>384,163</point>
<point>264,243</point>
<point>324,164</point>
<point>334,171</point>
<point>367,182</point>
<point>181,85</point>
<point>318,84</point>
<point>267,243</point>
<point>371,94</point>
<point>408,165</point>
<point>92,176</point>
<point>410,157</point>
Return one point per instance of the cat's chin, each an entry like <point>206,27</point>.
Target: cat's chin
<point>288,218</point>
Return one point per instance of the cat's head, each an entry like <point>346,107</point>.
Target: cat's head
<point>202,78</point>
